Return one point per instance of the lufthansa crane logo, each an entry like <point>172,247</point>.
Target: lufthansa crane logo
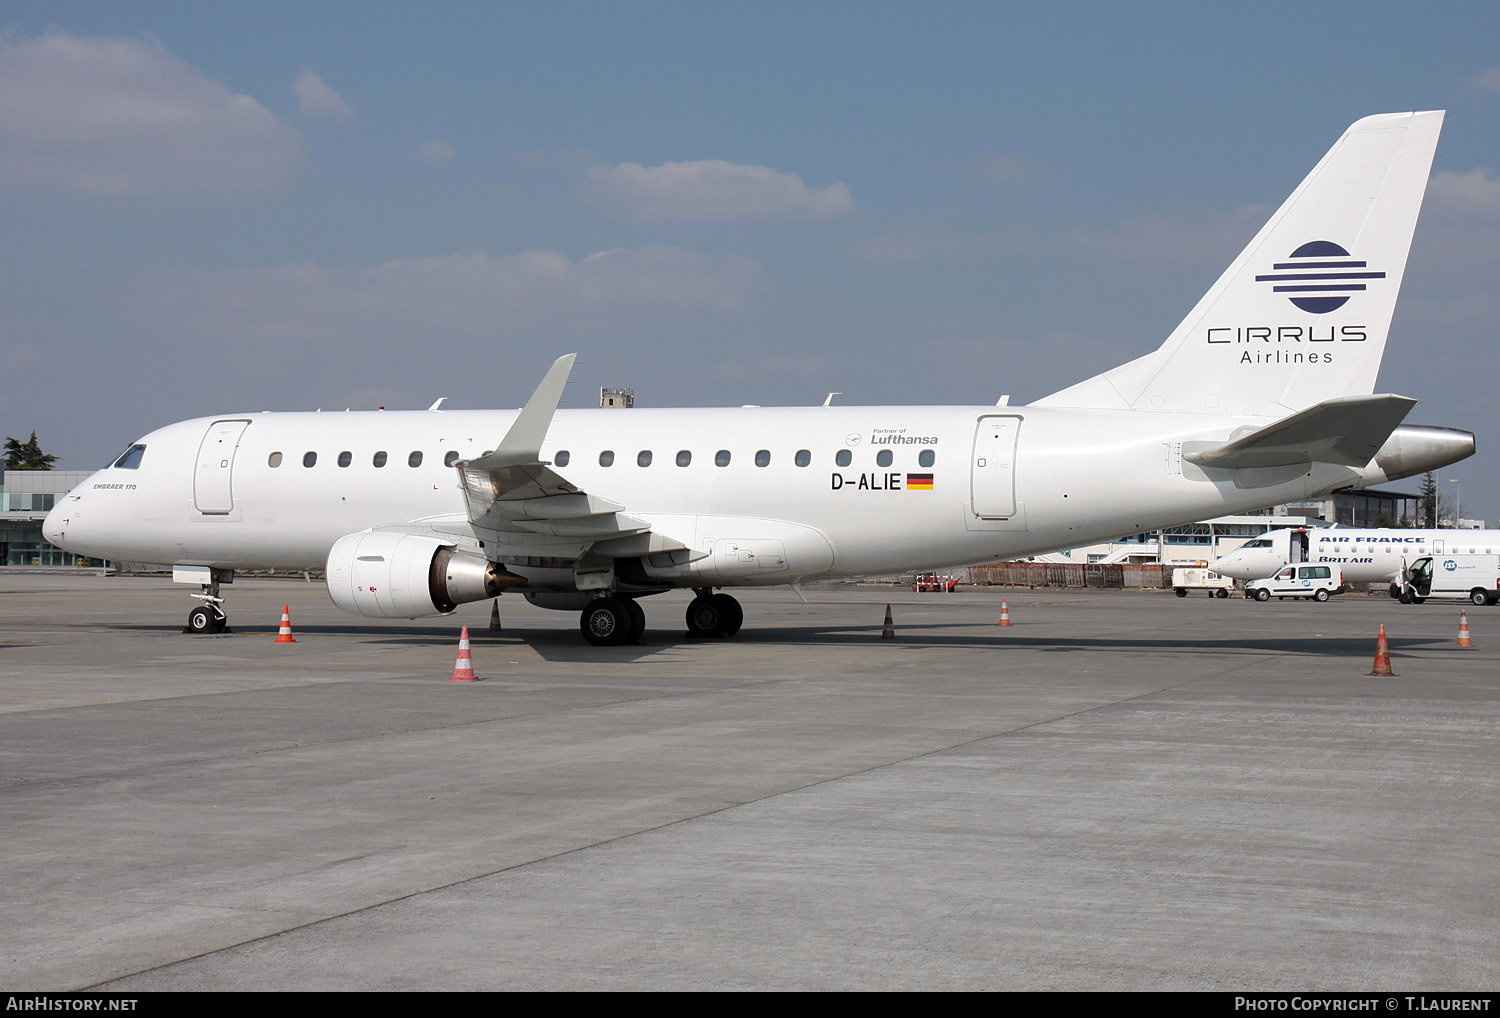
<point>1320,277</point>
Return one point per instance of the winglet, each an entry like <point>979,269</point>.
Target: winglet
<point>523,442</point>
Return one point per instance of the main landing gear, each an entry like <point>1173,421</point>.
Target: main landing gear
<point>712,614</point>
<point>611,621</point>
<point>614,620</point>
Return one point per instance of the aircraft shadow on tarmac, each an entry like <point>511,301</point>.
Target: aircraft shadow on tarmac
<point>567,646</point>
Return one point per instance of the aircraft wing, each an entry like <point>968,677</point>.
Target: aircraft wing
<point>1347,430</point>
<point>512,489</point>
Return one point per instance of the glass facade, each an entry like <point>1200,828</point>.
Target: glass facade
<point>26,496</point>
<point>21,544</point>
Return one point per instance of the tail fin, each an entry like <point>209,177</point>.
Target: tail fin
<point>1301,315</point>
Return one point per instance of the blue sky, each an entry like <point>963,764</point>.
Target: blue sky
<point>207,208</point>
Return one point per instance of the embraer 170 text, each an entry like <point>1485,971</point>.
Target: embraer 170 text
<point>1262,395</point>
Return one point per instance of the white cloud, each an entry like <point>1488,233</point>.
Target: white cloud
<point>110,115</point>
<point>437,151</point>
<point>933,241</point>
<point>471,295</point>
<point>1185,237</point>
<point>710,189</point>
<point>1489,80</point>
<point>1477,191</point>
<point>316,99</point>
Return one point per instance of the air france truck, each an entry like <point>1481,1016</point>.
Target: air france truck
<point>1474,578</point>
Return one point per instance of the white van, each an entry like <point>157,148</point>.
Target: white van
<point>1316,582</point>
<point>1473,578</point>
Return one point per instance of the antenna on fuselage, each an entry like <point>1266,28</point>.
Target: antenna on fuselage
<point>829,400</point>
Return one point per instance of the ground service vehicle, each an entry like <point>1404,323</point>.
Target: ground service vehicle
<point>1316,582</point>
<point>1474,578</point>
<point>1186,579</point>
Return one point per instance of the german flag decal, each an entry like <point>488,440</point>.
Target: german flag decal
<point>918,482</point>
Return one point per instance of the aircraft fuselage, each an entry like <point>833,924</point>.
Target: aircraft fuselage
<point>922,486</point>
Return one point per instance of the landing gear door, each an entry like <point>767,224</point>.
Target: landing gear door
<point>993,467</point>
<point>213,489</point>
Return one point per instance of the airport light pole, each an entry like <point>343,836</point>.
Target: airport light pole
<point>1458,502</point>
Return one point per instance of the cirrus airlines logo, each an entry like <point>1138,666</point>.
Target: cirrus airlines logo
<point>1319,277</point>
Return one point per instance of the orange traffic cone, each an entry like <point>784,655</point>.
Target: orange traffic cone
<point>1382,655</point>
<point>889,632</point>
<point>1004,613</point>
<point>463,668</point>
<point>285,636</point>
<point>495,617</point>
<point>1463,630</point>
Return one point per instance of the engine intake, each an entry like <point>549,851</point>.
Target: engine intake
<point>406,576</point>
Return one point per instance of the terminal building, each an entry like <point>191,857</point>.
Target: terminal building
<point>26,496</point>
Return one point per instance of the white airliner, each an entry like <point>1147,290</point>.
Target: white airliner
<point>1368,556</point>
<point>1264,394</point>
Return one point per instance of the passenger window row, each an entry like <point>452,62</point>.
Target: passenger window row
<point>722,458</point>
<point>345,458</point>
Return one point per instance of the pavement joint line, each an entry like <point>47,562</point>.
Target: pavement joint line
<point>668,825</point>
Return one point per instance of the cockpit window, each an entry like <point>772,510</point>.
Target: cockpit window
<point>1262,543</point>
<point>130,458</point>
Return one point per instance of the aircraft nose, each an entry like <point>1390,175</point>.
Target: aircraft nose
<point>1229,565</point>
<point>58,521</point>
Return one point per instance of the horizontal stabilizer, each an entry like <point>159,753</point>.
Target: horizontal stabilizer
<point>1348,430</point>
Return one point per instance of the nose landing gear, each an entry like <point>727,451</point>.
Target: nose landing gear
<point>208,617</point>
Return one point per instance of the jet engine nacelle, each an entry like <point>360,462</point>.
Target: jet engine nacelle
<point>1415,449</point>
<point>385,575</point>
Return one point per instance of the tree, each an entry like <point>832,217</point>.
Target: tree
<point>1427,499</point>
<point>26,455</point>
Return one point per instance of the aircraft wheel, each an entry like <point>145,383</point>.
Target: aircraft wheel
<point>705,616</point>
<point>203,620</point>
<point>1321,595</point>
<point>1263,594</point>
<point>731,615</point>
<point>605,622</point>
<point>637,619</point>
